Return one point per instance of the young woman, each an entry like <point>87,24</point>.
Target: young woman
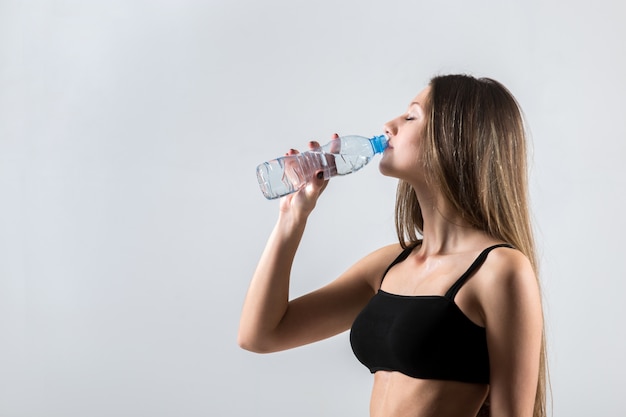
<point>449,320</point>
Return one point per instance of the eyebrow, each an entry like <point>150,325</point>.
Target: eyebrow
<point>415,103</point>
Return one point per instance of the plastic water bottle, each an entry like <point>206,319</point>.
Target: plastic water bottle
<point>341,156</point>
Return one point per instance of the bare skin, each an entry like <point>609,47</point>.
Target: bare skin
<point>395,394</point>
<point>502,296</point>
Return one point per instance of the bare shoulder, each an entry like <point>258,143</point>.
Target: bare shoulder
<point>385,253</point>
<point>508,281</point>
<point>373,265</point>
<point>509,262</point>
<point>510,267</point>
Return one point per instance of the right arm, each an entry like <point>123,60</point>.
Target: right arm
<point>269,321</point>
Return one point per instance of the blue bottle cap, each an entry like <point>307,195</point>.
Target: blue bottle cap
<point>379,143</point>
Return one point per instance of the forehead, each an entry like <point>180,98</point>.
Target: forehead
<point>422,97</point>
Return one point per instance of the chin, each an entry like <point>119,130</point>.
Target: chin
<point>382,167</point>
<point>386,170</point>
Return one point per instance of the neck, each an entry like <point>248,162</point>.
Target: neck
<point>445,230</point>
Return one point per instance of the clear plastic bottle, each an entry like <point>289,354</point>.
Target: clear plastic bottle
<point>341,156</point>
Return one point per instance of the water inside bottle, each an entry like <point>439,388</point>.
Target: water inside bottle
<point>347,164</point>
<point>285,175</point>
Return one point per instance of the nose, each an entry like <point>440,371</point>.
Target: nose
<point>390,128</point>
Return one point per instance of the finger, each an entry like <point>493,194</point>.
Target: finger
<point>317,183</point>
<point>323,185</point>
<point>314,145</point>
<point>335,144</point>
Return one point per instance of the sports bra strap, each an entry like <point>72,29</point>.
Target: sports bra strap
<point>405,253</point>
<point>473,267</point>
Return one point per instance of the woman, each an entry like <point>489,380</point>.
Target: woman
<point>449,320</point>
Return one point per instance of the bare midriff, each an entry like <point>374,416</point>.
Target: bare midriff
<point>397,395</point>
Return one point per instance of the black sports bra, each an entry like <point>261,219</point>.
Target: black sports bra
<point>422,336</point>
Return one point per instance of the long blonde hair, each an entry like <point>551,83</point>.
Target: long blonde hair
<point>475,152</point>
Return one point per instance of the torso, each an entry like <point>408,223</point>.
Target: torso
<point>398,395</point>
<point>395,394</point>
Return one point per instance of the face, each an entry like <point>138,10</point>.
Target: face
<point>402,159</point>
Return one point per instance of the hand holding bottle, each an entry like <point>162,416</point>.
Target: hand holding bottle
<point>304,200</point>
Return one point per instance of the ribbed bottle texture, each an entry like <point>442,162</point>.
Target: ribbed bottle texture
<point>341,156</point>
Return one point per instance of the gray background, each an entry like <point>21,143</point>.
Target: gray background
<point>131,221</point>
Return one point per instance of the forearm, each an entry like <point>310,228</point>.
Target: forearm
<point>268,295</point>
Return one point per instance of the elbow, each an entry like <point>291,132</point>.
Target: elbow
<point>252,344</point>
<point>249,345</point>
